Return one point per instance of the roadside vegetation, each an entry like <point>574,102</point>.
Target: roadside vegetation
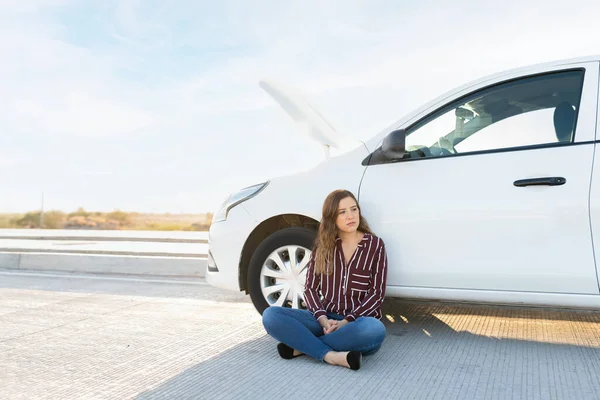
<point>115,220</point>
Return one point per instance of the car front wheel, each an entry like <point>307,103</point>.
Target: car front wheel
<point>277,270</point>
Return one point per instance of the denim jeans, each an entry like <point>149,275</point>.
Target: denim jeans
<point>301,331</point>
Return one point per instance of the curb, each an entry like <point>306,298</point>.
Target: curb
<point>105,264</point>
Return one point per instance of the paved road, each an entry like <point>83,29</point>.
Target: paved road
<point>101,337</point>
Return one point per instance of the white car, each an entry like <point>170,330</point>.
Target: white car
<point>490,193</point>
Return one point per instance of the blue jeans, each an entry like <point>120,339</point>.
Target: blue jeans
<point>301,331</point>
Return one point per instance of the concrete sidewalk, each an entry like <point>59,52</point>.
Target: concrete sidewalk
<point>101,337</point>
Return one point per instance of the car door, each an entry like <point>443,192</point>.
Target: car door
<point>492,193</point>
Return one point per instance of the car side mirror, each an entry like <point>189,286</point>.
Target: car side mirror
<point>394,144</point>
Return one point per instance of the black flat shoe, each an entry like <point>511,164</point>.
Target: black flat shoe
<point>354,359</point>
<point>286,351</point>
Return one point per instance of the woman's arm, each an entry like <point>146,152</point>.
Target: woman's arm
<point>311,290</point>
<point>376,292</point>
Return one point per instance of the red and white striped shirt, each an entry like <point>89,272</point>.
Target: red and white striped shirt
<point>352,290</point>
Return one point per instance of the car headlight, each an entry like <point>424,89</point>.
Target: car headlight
<point>236,198</point>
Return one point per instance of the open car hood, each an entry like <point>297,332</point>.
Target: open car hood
<point>311,121</point>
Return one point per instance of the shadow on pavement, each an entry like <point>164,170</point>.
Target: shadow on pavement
<point>431,351</point>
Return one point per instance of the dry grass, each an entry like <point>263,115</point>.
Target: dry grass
<point>82,219</point>
<point>170,222</point>
<point>5,220</point>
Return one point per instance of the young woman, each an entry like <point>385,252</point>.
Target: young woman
<point>345,286</point>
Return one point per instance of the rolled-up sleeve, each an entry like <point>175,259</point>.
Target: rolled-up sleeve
<point>376,293</point>
<point>311,290</point>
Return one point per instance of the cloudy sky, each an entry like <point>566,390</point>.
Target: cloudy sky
<point>155,106</point>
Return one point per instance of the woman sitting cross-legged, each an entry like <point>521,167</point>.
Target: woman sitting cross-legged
<point>345,286</point>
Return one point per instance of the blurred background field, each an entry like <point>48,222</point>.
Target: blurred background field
<point>114,220</point>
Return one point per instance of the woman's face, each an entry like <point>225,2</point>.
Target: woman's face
<point>348,216</point>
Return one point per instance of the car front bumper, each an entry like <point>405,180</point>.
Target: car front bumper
<point>226,241</point>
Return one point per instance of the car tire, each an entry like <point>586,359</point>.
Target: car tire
<point>295,236</point>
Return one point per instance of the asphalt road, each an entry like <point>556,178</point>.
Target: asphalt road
<point>65,336</point>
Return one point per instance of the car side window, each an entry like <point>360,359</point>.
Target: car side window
<point>530,111</point>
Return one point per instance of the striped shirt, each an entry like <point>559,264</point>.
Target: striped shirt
<point>352,290</point>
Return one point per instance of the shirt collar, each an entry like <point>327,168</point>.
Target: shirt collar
<point>362,242</point>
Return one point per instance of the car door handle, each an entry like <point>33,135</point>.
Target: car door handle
<point>550,181</point>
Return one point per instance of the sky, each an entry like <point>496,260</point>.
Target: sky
<point>155,106</point>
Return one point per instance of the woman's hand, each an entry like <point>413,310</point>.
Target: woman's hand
<point>329,325</point>
<point>334,325</point>
<point>325,323</point>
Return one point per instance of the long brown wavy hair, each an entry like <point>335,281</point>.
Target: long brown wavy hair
<point>325,241</point>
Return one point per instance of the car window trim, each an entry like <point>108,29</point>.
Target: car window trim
<point>480,152</point>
